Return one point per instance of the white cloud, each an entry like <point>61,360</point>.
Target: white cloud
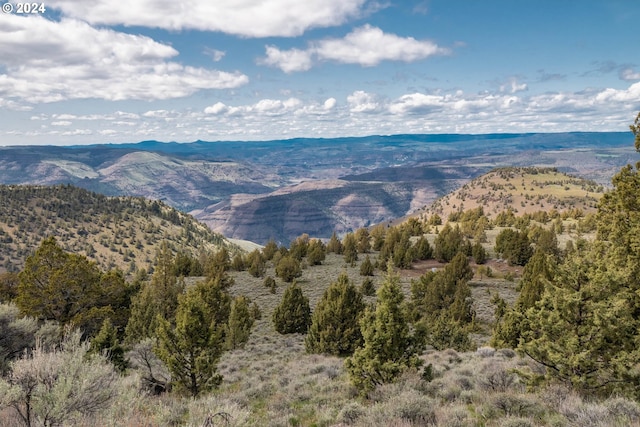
<point>45,63</point>
<point>215,54</point>
<point>288,60</point>
<point>61,123</point>
<point>363,102</point>
<point>629,75</point>
<point>366,46</point>
<point>250,18</point>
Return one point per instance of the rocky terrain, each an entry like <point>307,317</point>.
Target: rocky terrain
<point>280,189</point>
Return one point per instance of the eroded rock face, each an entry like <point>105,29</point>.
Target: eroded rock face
<point>314,209</point>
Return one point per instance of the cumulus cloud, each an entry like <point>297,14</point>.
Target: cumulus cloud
<point>366,46</point>
<point>44,62</point>
<point>363,102</point>
<point>288,61</point>
<point>215,54</point>
<point>264,18</point>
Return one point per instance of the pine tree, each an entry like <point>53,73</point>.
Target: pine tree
<point>363,240</point>
<point>293,315</point>
<point>448,243</point>
<point>316,252</point>
<point>388,348</point>
<point>334,325</point>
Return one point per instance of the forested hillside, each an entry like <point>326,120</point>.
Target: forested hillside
<point>121,232</point>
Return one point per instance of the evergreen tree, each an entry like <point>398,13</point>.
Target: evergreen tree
<point>270,250</point>
<point>584,329</point>
<point>316,252</point>
<point>334,244</point>
<point>448,243</point>
<point>288,268</point>
<point>478,253</point>
<point>270,282</point>
<point>256,263</point>
<point>241,319</point>
<point>191,349</point>
<point>366,268</point>
<point>423,249</point>
<point>367,288</point>
<point>334,325</point>
<point>388,347</point>
<point>159,297</point>
<point>363,240</point>
<point>350,249</point>
<point>293,315</point>
<point>107,342</point>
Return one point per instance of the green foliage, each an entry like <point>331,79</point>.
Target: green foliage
<point>70,289</point>
<point>218,263</point>
<point>299,247</point>
<point>364,240</point>
<point>270,250</point>
<point>350,249</point>
<point>479,253</point>
<point>448,243</point>
<point>334,245</point>
<point>366,268</point>
<point>293,314</point>
<point>397,248</point>
<point>8,286</point>
<point>584,329</point>
<point>444,332</point>
<point>241,319</point>
<point>106,342</point>
<point>317,252</point>
<point>257,266</point>
<point>367,288</point>
<point>389,348</point>
<point>59,386</point>
<point>514,246</point>
<point>422,249</point>
<point>157,298</point>
<point>334,325</point>
<point>288,268</point>
<point>192,348</point>
<point>446,291</point>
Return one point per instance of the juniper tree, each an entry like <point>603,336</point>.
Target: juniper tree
<point>241,319</point>
<point>334,324</point>
<point>584,329</point>
<point>388,347</point>
<point>366,268</point>
<point>293,314</point>
<point>191,349</point>
<point>350,249</point>
<point>288,268</point>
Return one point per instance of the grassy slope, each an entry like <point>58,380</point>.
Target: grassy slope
<point>118,232</point>
<point>525,190</point>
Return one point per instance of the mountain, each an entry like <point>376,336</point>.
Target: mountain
<point>280,189</point>
<point>523,190</point>
<point>112,231</point>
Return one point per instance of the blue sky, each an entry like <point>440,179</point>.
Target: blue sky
<point>124,71</point>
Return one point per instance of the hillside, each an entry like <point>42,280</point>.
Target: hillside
<point>282,188</point>
<point>524,190</point>
<point>113,231</point>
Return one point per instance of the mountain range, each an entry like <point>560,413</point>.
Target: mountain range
<point>280,189</point>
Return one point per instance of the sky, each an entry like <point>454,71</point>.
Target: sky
<point>107,71</point>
